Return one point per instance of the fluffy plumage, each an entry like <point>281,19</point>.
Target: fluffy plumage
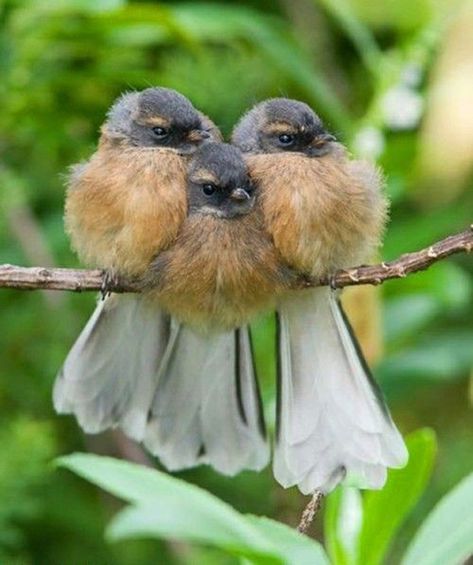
<point>324,211</point>
<point>129,200</point>
<point>216,275</point>
<point>124,206</point>
<point>190,395</point>
<point>206,407</point>
<point>332,419</point>
<point>223,268</point>
<point>109,376</point>
<point>260,129</point>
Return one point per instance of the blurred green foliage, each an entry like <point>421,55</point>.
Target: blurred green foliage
<point>357,531</point>
<point>372,71</point>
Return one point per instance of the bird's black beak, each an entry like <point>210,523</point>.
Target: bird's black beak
<point>320,145</point>
<point>326,137</point>
<point>239,194</point>
<point>198,135</point>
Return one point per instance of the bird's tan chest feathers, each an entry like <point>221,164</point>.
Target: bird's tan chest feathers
<point>323,213</point>
<point>125,205</point>
<point>220,272</point>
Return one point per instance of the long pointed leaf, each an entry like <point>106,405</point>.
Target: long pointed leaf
<point>385,510</point>
<point>183,511</point>
<point>446,537</point>
<point>163,506</point>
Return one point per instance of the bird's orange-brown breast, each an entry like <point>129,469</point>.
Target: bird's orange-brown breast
<point>323,213</point>
<point>125,205</point>
<point>220,272</point>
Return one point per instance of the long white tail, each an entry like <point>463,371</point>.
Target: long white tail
<point>110,374</point>
<point>207,407</point>
<point>332,420</point>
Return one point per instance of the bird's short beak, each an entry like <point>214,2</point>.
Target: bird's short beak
<point>320,145</point>
<point>239,194</point>
<point>322,139</point>
<point>198,135</point>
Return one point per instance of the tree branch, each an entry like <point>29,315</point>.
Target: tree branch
<point>310,512</point>
<point>80,280</point>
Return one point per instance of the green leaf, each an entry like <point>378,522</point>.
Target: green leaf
<point>333,544</point>
<point>411,306</point>
<point>173,520</point>
<point>385,510</point>
<point>342,524</point>
<point>293,547</point>
<point>163,506</point>
<point>174,508</point>
<point>446,537</point>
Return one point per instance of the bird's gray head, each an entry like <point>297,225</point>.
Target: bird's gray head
<point>218,182</point>
<point>281,124</point>
<point>157,117</point>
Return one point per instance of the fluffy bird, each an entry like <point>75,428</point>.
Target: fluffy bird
<point>220,272</point>
<point>324,212</point>
<point>123,206</point>
<point>168,365</point>
<point>222,269</point>
<point>128,201</point>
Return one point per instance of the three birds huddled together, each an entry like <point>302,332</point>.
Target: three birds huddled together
<point>216,234</point>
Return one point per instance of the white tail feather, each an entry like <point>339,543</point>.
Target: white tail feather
<point>109,376</point>
<point>332,420</point>
<point>206,408</point>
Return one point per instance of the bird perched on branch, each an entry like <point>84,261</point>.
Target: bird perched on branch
<point>180,218</point>
<point>324,212</point>
<point>221,271</point>
<point>123,206</point>
<point>128,201</point>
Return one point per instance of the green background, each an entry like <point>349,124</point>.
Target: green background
<point>393,80</point>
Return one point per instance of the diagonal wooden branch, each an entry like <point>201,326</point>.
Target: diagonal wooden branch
<point>80,280</point>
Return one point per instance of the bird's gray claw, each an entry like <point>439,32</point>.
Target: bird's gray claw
<point>109,281</point>
<point>332,281</point>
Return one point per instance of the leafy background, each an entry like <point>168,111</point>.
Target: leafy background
<point>394,80</point>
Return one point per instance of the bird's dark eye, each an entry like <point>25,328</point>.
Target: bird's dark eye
<point>160,132</point>
<point>208,188</point>
<point>286,139</point>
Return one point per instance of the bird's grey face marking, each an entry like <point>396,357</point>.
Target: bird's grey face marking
<point>157,117</point>
<point>218,182</point>
<point>282,125</point>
